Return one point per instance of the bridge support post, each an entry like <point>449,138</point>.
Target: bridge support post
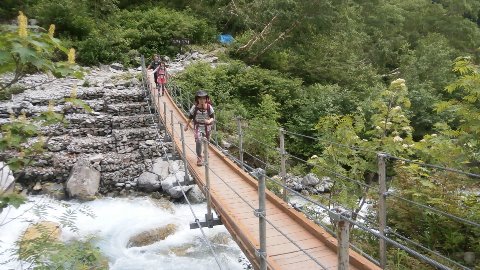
<point>208,216</point>
<point>343,233</point>
<point>240,142</point>
<point>262,223</point>
<point>184,154</point>
<point>283,170</point>
<point>209,220</point>
<point>165,116</point>
<point>173,133</point>
<point>382,208</point>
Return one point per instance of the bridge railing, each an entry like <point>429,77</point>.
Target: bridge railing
<point>381,231</point>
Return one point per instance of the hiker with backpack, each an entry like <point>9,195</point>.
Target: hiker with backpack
<point>202,115</point>
<point>161,77</point>
<point>153,65</point>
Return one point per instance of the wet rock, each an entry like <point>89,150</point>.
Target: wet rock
<point>149,237</point>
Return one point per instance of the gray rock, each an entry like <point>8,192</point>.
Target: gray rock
<point>149,182</point>
<point>310,180</point>
<point>54,190</point>
<point>84,181</point>
<point>7,181</point>
<point>195,195</point>
<point>160,168</point>
<point>116,66</point>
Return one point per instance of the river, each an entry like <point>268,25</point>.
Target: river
<point>116,220</point>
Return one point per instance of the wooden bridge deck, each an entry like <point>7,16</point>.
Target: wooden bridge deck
<point>239,219</point>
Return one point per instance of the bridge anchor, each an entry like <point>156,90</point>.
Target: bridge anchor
<point>210,221</point>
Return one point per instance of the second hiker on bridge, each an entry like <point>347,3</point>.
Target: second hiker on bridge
<point>161,78</point>
<point>202,115</point>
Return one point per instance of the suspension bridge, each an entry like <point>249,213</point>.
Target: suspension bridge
<point>270,232</point>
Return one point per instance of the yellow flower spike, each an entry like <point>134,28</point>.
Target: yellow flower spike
<point>71,56</point>
<point>74,92</point>
<point>51,30</point>
<point>22,24</point>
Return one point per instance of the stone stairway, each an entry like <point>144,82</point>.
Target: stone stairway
<point>119,137</point>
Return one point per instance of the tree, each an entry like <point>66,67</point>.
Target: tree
<point>464,127</point>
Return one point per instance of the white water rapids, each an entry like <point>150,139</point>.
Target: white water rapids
<point>118,219</point>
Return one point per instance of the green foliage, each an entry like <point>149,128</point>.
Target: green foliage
<point>145,31</point>
<point>442,191</point>
<point>427,71</point>
<point>465,126</point>
<point>12,199</point>
<point>12,90</point>
<point>71,18</point>
<point>262,131</point>
<point>20,53</point>
<point>72,255</point>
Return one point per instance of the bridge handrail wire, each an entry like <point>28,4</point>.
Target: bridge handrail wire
<point>433,166</point>
<point>275,227</point>
<point>332,172</point>
<point>435,210</point>
<point>365,228</point>
<point>330,142</point>
<point>388,240</point>
<point>426,249</point>
<point>315,221</point>
<point>208,242</point>
<point>293,242</point>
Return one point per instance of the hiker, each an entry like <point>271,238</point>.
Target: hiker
<point>202,115</point>
<point>153,65</point>
<point>161,77</point>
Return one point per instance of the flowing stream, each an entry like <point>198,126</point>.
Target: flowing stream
<point>116,220</point>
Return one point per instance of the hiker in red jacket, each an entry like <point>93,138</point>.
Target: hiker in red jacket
<point>161,77</point>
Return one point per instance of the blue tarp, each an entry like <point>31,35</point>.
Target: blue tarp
<point>225,39</point>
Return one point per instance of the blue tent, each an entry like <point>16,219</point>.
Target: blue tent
<point>225,39</point>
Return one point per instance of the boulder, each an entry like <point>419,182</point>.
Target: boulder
<point>84,181</point>
<point>45,230</point>
<point>151,236</point>
<point>7,181</point>
<point>149,182</point>
<point>310,180</point>
<point>195,195</point>
<point>160,168</point>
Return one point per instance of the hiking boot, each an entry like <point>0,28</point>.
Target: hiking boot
<point>199,161</point>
